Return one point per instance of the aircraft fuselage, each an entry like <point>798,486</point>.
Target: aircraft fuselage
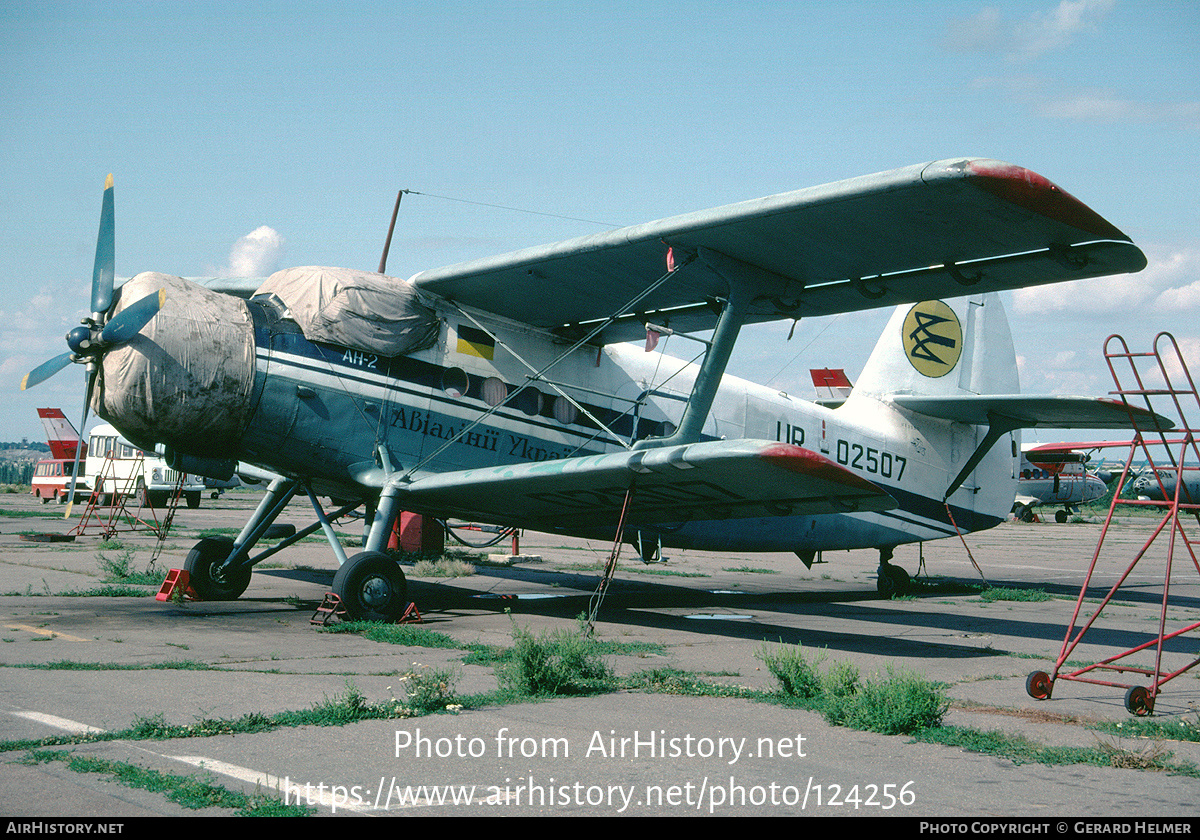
<point>322,410</point>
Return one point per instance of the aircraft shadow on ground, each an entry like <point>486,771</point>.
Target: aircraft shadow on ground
<point>634,602</point>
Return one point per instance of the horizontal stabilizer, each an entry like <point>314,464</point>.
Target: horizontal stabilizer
<point>701,481</point>
<point>1027,411</point>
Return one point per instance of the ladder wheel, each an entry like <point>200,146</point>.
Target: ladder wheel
<point>1138,701</point>
<point>1038,685</point>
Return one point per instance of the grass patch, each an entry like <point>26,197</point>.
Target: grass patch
<point>1004,593</point>
<point>650,570</point>
<point>750,570</point>
<point>187,791</point>
<point>556,663</point>
<point>899,703</point>
<point>117,566</point>
<point>395,634</point>
<point>1170,729</point>
<point>1022,750</point>
<point>71,665</point>
<point>675,681</point>
<point>442,567</point>
<point>426,691</point>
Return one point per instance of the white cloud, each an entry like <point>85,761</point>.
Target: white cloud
<point>1045,32</point>
<point>1169,284</point>
<point>1031,37</point>
<point>1101,106</point>
<point>256,254</point>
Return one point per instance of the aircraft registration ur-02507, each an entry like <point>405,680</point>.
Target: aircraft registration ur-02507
<point>504,390</point>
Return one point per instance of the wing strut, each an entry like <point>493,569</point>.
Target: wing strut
<point>395,481</point>
<point>742,279</point>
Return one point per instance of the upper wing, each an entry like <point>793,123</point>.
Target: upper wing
<point>1027,411</point>
<point>711,480</point>
<point>926,231</point>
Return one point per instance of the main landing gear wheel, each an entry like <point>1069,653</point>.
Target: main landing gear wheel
<point>371,587</point>
<point>1038,685</point>
<point>892,581</point>
<point>209,583</point>
<point>1138,701</point>
<point>1060,516</point>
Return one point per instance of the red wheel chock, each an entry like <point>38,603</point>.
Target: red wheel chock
<point>176,581</point>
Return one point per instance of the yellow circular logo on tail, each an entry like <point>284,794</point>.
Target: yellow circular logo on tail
<point>932,338</point>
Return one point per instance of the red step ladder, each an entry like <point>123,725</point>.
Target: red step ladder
<point>1160,382</point>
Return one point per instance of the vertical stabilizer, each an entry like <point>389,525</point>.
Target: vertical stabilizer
<point>941,348</point>
<point>60,434</point>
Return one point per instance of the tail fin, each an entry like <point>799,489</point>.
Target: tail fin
<point>935,348</point>
<point>60,434</point>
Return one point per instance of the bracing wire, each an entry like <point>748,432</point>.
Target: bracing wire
<point>513,209</point>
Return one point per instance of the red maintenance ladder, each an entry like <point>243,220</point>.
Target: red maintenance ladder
<point>1159,381</point>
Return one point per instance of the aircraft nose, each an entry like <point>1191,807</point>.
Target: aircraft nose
<point>186,379</point>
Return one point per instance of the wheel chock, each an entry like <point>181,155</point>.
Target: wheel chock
<point>176,581</point>
<point>411,615</point>
<point>331,607</point>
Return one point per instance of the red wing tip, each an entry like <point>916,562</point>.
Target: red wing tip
<point>806,462</point>
<point>1027,189</point>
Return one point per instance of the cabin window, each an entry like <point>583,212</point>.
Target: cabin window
<point>455,382</point>
<point>494,390</point>
<point>565,411</point>
<point>530,401</point>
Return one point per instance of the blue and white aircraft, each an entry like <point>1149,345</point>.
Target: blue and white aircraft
<point>504,390</point>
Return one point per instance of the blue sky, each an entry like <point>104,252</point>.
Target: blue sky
<point>246,137</point>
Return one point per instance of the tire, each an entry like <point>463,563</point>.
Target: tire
<point>1038,685</point>
<point>893,581</point>
<point>1060,516</point>
<point>371,587</point>
<point>201,565</point>
<point>1138,701</point>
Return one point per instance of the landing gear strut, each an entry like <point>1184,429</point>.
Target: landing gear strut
<point>892,580</point>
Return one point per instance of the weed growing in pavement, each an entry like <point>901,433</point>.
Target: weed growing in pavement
<point>187,791</point>
<point>900,703</point>
<point>558,662</point>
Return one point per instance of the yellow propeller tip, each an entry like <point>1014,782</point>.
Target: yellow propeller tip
<point>24,381</point>
<point>108,183</point>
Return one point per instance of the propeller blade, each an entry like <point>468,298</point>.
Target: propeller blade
<point>105,268</point>
<point>87,401</point>
<point>45,370</point>
<point>126,323</point>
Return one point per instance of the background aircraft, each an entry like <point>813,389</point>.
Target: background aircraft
<point>501,391</point>
<point>1055,475</point>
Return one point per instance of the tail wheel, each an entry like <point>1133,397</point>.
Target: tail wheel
<point>1038,685</point>
<point>371,587</point>
<point>210,582</point>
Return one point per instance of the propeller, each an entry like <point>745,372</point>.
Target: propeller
<point>99,333</point>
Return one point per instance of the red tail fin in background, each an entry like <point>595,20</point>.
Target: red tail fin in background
<point>60,434</point>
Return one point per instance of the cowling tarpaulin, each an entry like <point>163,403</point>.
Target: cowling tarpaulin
<point>186,379</point>
<point>357,309</point>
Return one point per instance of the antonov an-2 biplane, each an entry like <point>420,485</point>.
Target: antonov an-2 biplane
<point>504,390</point>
